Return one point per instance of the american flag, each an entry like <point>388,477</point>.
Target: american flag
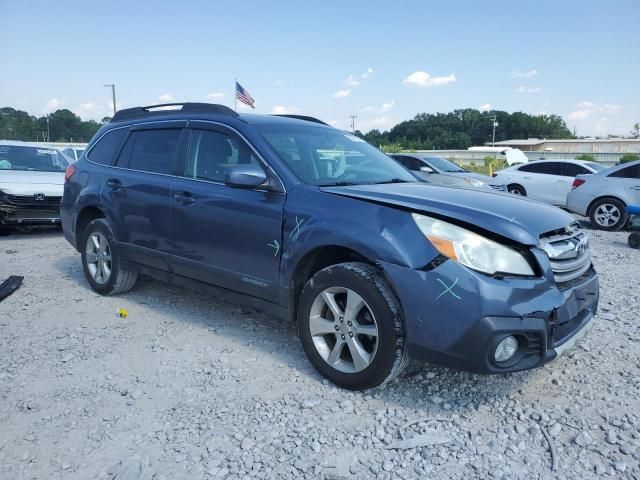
<point>243,96</point>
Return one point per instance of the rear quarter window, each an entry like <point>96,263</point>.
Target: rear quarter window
<point>632,171</point>
<point>106,149</point>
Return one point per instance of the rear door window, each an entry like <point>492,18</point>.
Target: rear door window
<point>573,170</point>
<point>151,151</point>
<point>632,171</point>
<point>106,149</point>
<point>548,168</point>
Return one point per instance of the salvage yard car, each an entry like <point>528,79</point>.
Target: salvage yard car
<point>548,181</point>
<point>31,183</point>
<point>443,172</point>
<point>299,218</point>
<point>603,197</point>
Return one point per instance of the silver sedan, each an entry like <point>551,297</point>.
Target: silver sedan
<point>603,196</point>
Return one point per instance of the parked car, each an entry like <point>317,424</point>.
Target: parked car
<point>443,172</point>
<point>31,184</point>
<point>298,218</point>
<point>602,197</point>
<point>548,181</point>
<point>73,153</point>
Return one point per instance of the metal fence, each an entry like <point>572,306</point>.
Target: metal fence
<point>466,156</point>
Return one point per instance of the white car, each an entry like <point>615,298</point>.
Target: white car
<point>546,180</point>
<point>73,153</point>
<point>31,184</point>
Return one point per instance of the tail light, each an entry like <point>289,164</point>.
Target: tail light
<point>71,169</point>
<point>577,182</point>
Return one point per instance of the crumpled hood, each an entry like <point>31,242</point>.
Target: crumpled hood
<point>513,217</point>
<point>27,183</point>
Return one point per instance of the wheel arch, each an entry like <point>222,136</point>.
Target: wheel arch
<point>604,197</point>
<point>85,215</point>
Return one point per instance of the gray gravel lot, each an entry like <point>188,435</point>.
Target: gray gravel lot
<point>190,386</point>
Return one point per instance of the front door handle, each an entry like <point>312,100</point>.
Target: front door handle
<point>183,198</point>
<point>635,187</point>
<point>114,183</point>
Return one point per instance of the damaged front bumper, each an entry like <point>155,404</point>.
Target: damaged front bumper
<point>16,210</point>
<point>456,317</point>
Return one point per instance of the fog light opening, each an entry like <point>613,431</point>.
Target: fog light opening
<point>506,349</point>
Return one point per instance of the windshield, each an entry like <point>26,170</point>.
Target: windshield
<point>444,165</point>
<point>598,167</point>
<point>13,157</point>
<point>325,157</point>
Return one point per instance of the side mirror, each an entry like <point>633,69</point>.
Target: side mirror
<point>245,176</point>
<point>427,169</point>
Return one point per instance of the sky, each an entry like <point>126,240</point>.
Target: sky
<point>384,62</point>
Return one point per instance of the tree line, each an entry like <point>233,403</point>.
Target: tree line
<point>63,126</point>
<point>459,129</point>
<point>467,127</point>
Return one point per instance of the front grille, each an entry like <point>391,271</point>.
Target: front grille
<point>568,251</point>
<point>29,201</point>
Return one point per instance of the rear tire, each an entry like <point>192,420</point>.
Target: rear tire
<point>367,321</point>
<point>101,260</point>
<point>634,240</point>
<point>608,214</point>
<point>516,189</point>
<point>5,231</point>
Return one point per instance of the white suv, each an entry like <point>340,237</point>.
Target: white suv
<point>546,180</point>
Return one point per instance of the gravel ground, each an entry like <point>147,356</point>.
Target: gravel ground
<point>193,387</point>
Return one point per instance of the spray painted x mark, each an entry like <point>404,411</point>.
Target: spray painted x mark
<point>276,246</point>
<point>296,230</point>
<point>448,289</point>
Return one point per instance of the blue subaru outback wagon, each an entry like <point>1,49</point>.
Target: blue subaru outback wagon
<point>288,214</point>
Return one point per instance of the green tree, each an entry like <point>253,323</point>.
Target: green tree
<point>586,156</point>
<point>629,157</point>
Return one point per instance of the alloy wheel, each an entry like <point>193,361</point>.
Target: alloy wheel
<point>343,329</point>
<point>607,215</point>
<point>98,257</point>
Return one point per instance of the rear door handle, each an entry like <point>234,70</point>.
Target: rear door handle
<point>184,198</point>
<point>526,178</point>
<point>114,183</point>
<point>635,187</point>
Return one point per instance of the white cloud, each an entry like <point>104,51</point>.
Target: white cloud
<point>243,107</point>
<point>215,96</point>
<point>90,110</point>
<point>587,109</point>
<point>368,73</point>
<point>352,82</point>
<point>423,79</point>
<point>485,107</point>
<point>283,110</point>
<point>165,98</point>
<point>53,105</point>
<point>526,74</point>
<point>387,106</point>
<point>523,89</point>
<point>383,122</point>
<point>592,118</point>
<point>342,93</point>
<point>282,83</point>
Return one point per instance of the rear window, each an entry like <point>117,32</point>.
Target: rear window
<point>548,168</point>
<point>106,149</point>
<point>31,159</point>
<point>632,171</point>
<point>151,150</point>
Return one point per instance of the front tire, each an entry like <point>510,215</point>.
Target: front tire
<point>608,214</point>
<point>516,189</point>
<point>351,328</point>
<point>101,260</point>
<point>634,240</point>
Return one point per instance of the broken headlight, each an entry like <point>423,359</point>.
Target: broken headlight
<point>471,249</point>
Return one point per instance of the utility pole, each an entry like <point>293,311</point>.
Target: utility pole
<point>113,94</point>
<point>353,123</point>
<point>494,119</point>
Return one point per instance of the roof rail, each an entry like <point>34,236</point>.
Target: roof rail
<point>302,117</point>
<point>160,109</point>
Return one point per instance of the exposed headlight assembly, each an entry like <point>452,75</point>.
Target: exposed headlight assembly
<point>473,182</point>
<point>471,249</point>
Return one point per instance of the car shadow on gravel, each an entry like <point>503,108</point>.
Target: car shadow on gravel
<point>441,389</point>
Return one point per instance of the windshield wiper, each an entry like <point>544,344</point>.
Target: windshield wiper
<point>392,180</point>
<point>338,184</point>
